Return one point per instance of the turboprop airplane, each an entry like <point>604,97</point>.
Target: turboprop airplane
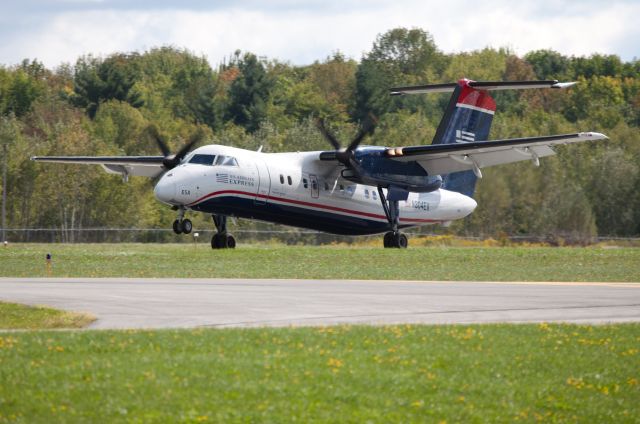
<point>354,190</point>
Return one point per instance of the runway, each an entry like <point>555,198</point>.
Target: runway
<point>188,303</point>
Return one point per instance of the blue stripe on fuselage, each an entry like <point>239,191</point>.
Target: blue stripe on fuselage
<point>292,215</point>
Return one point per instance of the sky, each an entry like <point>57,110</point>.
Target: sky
<point>301,32</point>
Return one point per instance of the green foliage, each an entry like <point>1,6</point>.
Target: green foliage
<point>373,374</point>
<point>548,64</point>
<point>481,65</point>
<point>399,57</point>
<point>20,87</point>
<point>249,93</point>
<point>97,81</point>
<point>104,105</point>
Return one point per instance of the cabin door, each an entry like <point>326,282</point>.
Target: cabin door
<point>264,183</point>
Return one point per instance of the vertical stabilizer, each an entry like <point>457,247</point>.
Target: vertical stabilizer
<point>467,119</point>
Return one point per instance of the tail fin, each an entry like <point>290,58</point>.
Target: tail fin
<point>468,118</point>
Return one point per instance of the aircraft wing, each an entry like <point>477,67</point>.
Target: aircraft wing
<point>440,159</point>
<point>145,166</point>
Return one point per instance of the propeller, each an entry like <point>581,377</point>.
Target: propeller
<point>170,161</point>
<point>346,156</point>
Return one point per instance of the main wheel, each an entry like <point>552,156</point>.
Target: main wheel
<point>177,228</point>
<point>216,241</point>
<point>400,241</point>
<point>387,241</point>
<point>231,242</point>
<point>186,226</point>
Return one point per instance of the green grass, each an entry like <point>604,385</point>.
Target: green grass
<point>483,373</point>
<point>340,262</point>
<point>15,316</point>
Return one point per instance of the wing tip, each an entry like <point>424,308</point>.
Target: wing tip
<point>593,136</point>
<point>563,85</point>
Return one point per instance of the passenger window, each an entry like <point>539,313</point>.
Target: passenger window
<point>314,185</point>
<point>281,179</point>
<point>305,184</point>
<point>366,193</point>
<point>326,187</point>
<point>202,159</point>
<point>341,187</point>
<point>289,180</point>
<point>374,195</point>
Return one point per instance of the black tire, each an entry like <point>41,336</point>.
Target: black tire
<point>219,241</point>
<point>387,241</point>
<point>186,226</point>
<point>401,241</point>
<point>177,228</point>
<point>231,242</point>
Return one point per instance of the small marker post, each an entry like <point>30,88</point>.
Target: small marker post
<point>49,266</point>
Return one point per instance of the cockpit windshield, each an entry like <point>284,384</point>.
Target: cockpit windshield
<point>203,159</point>
<point>221,160</point>
<point>226,161</point>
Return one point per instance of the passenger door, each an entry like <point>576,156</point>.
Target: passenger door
<point>264,183</point>
<point>315,188</point>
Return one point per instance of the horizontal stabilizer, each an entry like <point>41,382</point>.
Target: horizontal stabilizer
<point>480,85</point>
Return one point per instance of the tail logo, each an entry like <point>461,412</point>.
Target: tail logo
<point>465,136</point>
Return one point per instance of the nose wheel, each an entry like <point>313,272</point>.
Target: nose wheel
<point>182,225</point>
<point>222,239</point>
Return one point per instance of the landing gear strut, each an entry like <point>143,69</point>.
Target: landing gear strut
<point>182,225</point>
<point>393,238</point>
<point>222,239</point>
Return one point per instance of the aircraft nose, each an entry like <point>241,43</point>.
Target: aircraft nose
<point>165,191</point>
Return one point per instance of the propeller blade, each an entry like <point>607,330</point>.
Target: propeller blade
<point>328,135</point>
<point>193,140</point>
<point>367,127</point>
<point>170,161</point>
<point>153,132</point>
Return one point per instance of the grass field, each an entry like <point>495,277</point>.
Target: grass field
<point>340,262</point>
<point>15,316</point>
<point>487,373</point>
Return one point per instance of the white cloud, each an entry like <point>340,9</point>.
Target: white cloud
<point>302,35</point>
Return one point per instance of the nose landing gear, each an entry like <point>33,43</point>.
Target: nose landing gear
<point>222,239</point>
<point>181,225</point>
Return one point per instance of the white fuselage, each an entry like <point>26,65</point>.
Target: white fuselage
<point>295,189</point>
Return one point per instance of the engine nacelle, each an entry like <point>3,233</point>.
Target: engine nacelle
<point>372,167</point>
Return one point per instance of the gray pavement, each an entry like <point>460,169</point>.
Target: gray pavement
<point>180,303</point>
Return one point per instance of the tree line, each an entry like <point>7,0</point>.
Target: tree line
<point>104,106</point>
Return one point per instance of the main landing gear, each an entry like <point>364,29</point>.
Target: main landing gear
<point>181,225</point>
<point>222,239</point>
<point>393,238</point>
